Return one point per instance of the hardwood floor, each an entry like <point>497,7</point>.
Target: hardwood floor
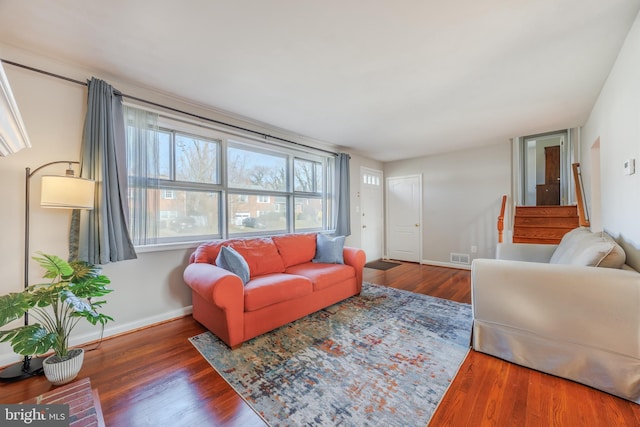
<point>154,377</point>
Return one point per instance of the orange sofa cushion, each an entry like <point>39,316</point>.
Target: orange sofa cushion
<point>274,288</point>
<point>323,275</point>
<point>296,248</point>
<point>207,253</point>
<point>260,253</point>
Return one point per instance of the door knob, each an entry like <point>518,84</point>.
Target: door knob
<point>417,225</point>
<point>364,226</point>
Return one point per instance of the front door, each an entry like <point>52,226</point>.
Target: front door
<point>371,212</point>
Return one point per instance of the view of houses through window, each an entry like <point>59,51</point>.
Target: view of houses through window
<point>197,184</point>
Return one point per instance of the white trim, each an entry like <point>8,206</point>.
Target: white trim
<point>445,264</point>
<point>168,246</point>
<point>117,329</point>
<point>13,134</point>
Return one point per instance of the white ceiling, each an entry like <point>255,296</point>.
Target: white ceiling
<point>389,79</point>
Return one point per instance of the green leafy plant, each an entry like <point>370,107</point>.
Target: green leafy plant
<point>56,306</point>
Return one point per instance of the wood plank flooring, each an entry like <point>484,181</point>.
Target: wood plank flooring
<point>155,377</point>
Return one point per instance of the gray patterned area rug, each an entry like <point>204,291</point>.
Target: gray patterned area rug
<point>383,358</point>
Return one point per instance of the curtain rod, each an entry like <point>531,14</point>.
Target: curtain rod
<point>175,110</point>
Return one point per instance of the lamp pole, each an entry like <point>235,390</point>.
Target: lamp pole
<point>29,366</point>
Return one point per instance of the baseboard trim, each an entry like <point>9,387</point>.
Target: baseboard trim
<point>133,326</point>
<point>110,331</point>
<point>446,264</point>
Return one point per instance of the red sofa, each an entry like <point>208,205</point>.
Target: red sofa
<point>284,284</point>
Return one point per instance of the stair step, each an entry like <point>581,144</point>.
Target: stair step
<point>548,222</point>
<point>543,224</point>
<point>546,211</point>
<point>540,233</point>
<point>536,241</point>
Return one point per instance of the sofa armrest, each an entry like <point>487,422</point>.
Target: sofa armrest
<point>216,285</point>
<point>525,252</point>
<point>356,258</point>
<point>597,307</point>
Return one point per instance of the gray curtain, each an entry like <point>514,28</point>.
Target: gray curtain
<point>143,166</point>
<point>343,220</point>
<point>100,236</point>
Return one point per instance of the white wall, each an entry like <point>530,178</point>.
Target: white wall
<point>147,290</point>
<point>462,194</point>
<point>615,120</point>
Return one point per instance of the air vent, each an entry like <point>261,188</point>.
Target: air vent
<point>459,258</point>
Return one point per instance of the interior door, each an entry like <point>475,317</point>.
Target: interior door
<point>404,215</point>
<point>371,212</point>
<point>545,166</point>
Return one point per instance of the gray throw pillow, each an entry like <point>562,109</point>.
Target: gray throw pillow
<point>231,260</point>
<point>329,250</point>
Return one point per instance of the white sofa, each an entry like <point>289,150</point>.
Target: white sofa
<point>571,310</point>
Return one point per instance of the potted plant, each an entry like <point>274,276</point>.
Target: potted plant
<point>57,307</point>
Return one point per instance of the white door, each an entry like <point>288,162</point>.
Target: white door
<point>404,216</point>
<point>371,212</point>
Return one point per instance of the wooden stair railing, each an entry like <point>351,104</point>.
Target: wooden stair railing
<point>583,214</point>
<point>501,219</point>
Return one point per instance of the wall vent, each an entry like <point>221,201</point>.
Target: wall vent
<point>459,258</point>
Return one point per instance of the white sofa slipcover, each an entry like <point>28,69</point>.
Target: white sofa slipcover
<point>574,321</point>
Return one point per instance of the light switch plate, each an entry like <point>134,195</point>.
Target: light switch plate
<point>630,166</point>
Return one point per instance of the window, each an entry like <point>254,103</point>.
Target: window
<point>191,183</point>
<point>174,177</point>
<point>309,213</point>
<point>371,179</point>
<point>307,175</point>
<point>252,169</point>
<point>309,201</point>
<point>197,159</point>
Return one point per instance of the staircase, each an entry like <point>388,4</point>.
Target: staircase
<point>547,224</point>
<point>543,224</point>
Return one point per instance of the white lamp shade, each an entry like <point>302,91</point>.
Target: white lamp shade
<point>67,192</point>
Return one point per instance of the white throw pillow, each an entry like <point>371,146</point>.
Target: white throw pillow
<point>569,246</point>
<point>582,247</point>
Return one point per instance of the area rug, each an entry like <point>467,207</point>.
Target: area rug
<point>385,357</point>
<point>381,265</point>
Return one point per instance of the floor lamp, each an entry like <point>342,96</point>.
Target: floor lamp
<point>62,192</point>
